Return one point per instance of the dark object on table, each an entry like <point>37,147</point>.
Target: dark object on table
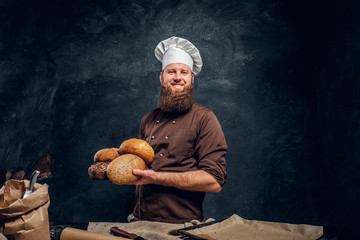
<point>118,232</point>
<point>183,231</point>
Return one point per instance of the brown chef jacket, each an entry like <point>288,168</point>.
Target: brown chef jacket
<point>185,142</point>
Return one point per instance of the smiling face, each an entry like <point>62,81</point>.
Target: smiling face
<point>177,76</point>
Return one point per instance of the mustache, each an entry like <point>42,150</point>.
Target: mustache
<point>176,102</point>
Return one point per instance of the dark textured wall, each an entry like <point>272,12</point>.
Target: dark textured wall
<point>282,77</point>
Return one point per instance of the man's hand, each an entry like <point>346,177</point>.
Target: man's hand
<point>199,180</point>
<point>147,177</point>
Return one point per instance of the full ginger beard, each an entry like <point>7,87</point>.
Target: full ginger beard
<point>178,101</point>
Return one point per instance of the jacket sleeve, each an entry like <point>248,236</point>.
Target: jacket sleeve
<point>143,123</point>
<point>141,128</point>
<point>211,148</point>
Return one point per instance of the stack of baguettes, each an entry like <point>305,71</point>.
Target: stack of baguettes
<point>117,164</point>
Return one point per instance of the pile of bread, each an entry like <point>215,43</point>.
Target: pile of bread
<point>117,164</point>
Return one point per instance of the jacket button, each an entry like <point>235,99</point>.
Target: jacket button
<point>166,137</point>
<point>173,122</point>
<point>152,137</point>
<point>161,154</point>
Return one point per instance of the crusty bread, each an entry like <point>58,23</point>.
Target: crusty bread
<point>97,171</point>
<point>120,169</point>
<point>105,155</point>
<point>139,148</point>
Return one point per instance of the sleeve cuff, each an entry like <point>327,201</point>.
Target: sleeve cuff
<point>217,171</point>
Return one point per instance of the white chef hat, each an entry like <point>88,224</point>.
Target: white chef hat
<point>178,50</point>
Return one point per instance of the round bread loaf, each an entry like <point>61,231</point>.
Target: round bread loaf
<point>97,171</point>
<point>106,155</point>
<point>120,169</point>
<point>139,148</point>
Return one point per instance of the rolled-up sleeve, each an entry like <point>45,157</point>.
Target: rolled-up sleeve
<point>211,148</point>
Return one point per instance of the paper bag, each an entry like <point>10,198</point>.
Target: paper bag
<point>24,218</point>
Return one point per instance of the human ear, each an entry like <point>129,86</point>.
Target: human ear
<point>160,77</point>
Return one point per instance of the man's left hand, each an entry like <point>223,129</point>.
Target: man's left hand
<point>147,176</point>
<point>198,180</point>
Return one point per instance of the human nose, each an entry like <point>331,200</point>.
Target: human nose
<point>177,76</point>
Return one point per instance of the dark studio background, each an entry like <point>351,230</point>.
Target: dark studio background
<point>281,76</point>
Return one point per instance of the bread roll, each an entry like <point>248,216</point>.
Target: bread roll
<point>139,148</point>
<point>106,155</point>
<point>97,171</point>
<point>120,169</point>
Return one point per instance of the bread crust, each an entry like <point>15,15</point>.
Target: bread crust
<point>120,169</point>
<point>106,155</point>
<point>97,171</point>
<point>139,148</point>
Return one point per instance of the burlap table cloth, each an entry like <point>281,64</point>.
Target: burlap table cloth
<point>232,228</point>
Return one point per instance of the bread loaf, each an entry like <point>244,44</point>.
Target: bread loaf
<point>97,171</point>
<point>105,155</point>
<point>139,148</point>
<point>120,169</point>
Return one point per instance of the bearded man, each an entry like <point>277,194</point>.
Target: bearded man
<point>188,141</point>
